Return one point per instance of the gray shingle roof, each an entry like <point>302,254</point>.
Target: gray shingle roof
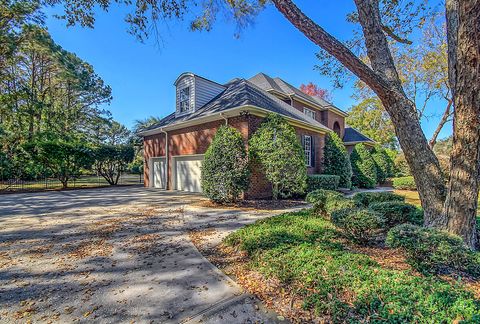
<point>352,135</point>
<point>240,92</point>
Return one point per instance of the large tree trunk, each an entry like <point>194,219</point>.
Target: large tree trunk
<point>463,32</point>
<point>383,79</point>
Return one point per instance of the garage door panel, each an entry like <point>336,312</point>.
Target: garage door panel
<point>188,173</point>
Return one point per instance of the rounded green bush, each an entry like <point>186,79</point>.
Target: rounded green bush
<point>383,164</point>
<point>363,167</point>
<point>364,199</point>
<point>433,251</point>
<point>360,225</point>
<point>397,212</point>
<point>322,181</point>
<point>336,160</point>
<point>338,203</point>
<point>320,197</point>
<point>404,183</point>
<point>225,168</point>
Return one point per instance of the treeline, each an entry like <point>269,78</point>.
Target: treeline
<point>51,118</point>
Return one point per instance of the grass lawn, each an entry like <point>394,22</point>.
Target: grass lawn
<point>337,281</point>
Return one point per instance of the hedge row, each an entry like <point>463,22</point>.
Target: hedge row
<point>322,181</point>
<point>404,183</point>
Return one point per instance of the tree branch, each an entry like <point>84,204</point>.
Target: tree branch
<point>330,44</point>
<point>394,36</point>
<point>443,121</point>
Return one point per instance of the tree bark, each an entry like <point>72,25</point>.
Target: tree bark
<point>463,34</point>
<point>383,79</point>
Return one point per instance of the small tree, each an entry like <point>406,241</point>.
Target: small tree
<point>336,160</point>
<point>112,160</point>
<point>63,159</point>
<point>363,167</point>
<point>276,147</point>
<point>225,168</point>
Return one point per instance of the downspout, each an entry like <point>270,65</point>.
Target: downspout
<point>223,116</point>
<point>167,164</point>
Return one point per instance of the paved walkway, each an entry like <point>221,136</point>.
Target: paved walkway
<point>116,255</point>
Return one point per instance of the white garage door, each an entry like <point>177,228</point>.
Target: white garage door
<point>158,173</point>
<point>188,173</point>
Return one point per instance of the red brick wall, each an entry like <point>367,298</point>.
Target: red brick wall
<point>196,139</point>
<point>331,118</point>
<point>153,146</point>
<point>185,141</point>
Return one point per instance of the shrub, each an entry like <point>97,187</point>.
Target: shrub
<point>433,251</point>
<point>401,166</point>
<point>277,149</point>
<point>383,164</point>
<point>363,167</point>
<point>322,181</point>
<point>335,204</point>
<point>360,225</point>
<point>397,212</point>
<point>319,199</point>
<point>225,168</point>
<point>336,160</point>
<point>404,183</point>
<point>364,199</point>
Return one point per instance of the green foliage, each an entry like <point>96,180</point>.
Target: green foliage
<point>397,212</point>
<point>336,160</point>
<point>363,167</point>
<point>383,163</point>
<point>320,198</point>
<point>359,225</point>
<point>401,166</point>
<point>306,253</point>
<point>112,160</point>
<point>322,181</point>
<point>433,251</point>
<point>225,168</point>
<point>276,147</point>
<point>370,118</point>
<point>364,199</point>
<point>404,183</point>
<point>62,159</point>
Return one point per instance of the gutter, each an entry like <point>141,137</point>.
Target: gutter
<point>261,112</point>
<point>166,159</point>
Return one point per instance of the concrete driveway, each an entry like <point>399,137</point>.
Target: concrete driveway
<point>116,255</point>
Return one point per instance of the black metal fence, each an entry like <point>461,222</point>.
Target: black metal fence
<point>47,183</point>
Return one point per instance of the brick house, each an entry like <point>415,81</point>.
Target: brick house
<point>174,148</point>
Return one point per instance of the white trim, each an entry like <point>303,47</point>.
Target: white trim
<point>262,112</point>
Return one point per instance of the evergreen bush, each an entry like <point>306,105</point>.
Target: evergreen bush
<point>225,171</point>
<point>363,167</point>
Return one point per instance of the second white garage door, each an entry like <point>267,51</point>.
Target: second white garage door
<point>188,173</point>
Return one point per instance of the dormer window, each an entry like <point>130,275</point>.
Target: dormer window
<point>184,99</point>
<point>309,113</point>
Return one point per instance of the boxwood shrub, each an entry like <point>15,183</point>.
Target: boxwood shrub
<point>364,199</point>
<point>404,183</point>
<point>320,197</point>
<point>336,160</point>
<point>432,251</point>
<point>322,181</point>
<point>361,225</point>
<point>397,212</point>
<point>363,167</point>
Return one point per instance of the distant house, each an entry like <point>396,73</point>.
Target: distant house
<point>174,148</point>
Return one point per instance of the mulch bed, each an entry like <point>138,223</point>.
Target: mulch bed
<point>254,204</point>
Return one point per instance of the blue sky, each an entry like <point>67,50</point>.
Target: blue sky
<point>142,75</point>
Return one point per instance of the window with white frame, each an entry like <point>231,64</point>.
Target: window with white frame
<point>307,146</point>
<point>310,113</point>
<point>184,99</point>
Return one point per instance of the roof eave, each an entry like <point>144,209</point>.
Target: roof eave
<point>232,112</point>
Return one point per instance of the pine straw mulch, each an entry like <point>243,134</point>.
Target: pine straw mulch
<point>283,299</point>
<point>253,204</point>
